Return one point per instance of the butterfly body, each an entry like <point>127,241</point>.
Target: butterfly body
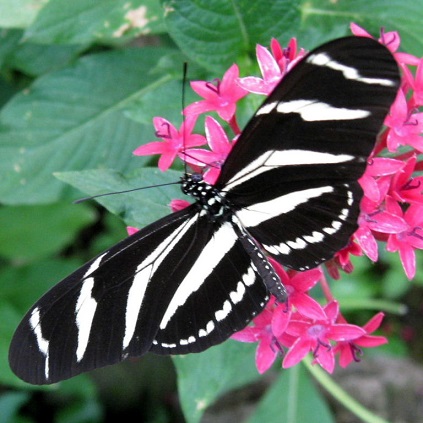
<point>288,189</point>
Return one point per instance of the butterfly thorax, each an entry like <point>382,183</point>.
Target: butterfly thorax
<point>208,197</point>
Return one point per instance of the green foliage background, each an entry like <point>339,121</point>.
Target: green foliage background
<point>80,82</point>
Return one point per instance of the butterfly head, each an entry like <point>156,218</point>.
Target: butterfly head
<point>208,197</point>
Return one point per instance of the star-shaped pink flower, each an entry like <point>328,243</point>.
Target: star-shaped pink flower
<point>316,336</point>
<point>219,96</point>
<point>350,351</point>
<point>173,142</point>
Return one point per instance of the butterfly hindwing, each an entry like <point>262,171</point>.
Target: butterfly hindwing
<point>225,292</point>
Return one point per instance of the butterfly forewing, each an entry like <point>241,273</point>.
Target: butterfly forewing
<point>190,280</point>
<point>293,173</point>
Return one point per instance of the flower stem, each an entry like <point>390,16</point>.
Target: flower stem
<point>341,395</point>
<point>374,304</point>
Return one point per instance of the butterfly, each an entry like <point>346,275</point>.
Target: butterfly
<point>288,189</point>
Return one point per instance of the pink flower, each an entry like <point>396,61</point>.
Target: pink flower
<point>220,148</point>
<point>177,205</point>
<point>391,39</point>
<point>416,83</point>
<point>270,70</point>
<point>342,260</point>
<point>374,218</point>
<point>316,336</point>
<point>408,240</point>
<point>174,141</point>
<point>286,57</point>
<point>297,284</point>
<point>405,127</point>
<point>269,326</point>
<point>131,230</point>
<point>273,66</point>
<point>406,188</point>
<point>220,96</point>
<point>350,351</point>
<point>268,347</point>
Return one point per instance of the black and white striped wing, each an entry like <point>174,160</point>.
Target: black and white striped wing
<point>191,279</point>
<point>293,173</point>
<point>179,285</point>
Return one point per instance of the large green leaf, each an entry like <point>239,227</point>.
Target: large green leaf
<point>75,119</point>
<point>28,233</point>
<point>18,13</point>
<point>85,22</point>
<point>136,208</point>
<point>216,33</point>
<point>292,398</point>
<point>323,20</point>
<point>202,378</point>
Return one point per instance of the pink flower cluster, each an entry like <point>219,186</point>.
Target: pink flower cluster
<point>391,210</point>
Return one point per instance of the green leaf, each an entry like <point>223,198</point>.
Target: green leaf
<point>10,403</point>
<point>18,13</point>
<point>217,33</point>
<point>292,398</point>
<point>322,20</point>
<point>9,40</point>
<point>21,286</point>
<point>86,22</point>
<point>37,59</point>
<point>81,399</point>
<point>32,232</point>
<point>137,208</point>
<point>74,119</point>
<point>202,378</point>
<point>9,319</point>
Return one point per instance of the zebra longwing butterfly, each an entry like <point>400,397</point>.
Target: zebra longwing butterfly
<point>188,281</point>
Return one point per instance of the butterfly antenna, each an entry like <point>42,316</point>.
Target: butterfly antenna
<point>81,200</point>
<point>184,85</point>
<point>183,100</point>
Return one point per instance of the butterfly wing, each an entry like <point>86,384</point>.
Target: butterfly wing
<point>293,173</point>
<point>187,282</point>
<point>179,285</point>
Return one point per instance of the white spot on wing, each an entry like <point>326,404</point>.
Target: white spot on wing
<point>164,345</point>
<point>190,340</point>
<point>210,257</point>
<point>43,344</point>
<point>144,273</point>
<point>223,313</point>
<point>238,295</point>
<point>305,157</point>
<point>298,244</point>
<point>267,108</point>
<point>276,158</point>
<point>249,277</point>
<point>323,59</point>
<point>135,297</point>
<point>314,238</point>
<point>85,310</point>
<point>316,111</point>
<point>209,328</point>
<point>258,213</point>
